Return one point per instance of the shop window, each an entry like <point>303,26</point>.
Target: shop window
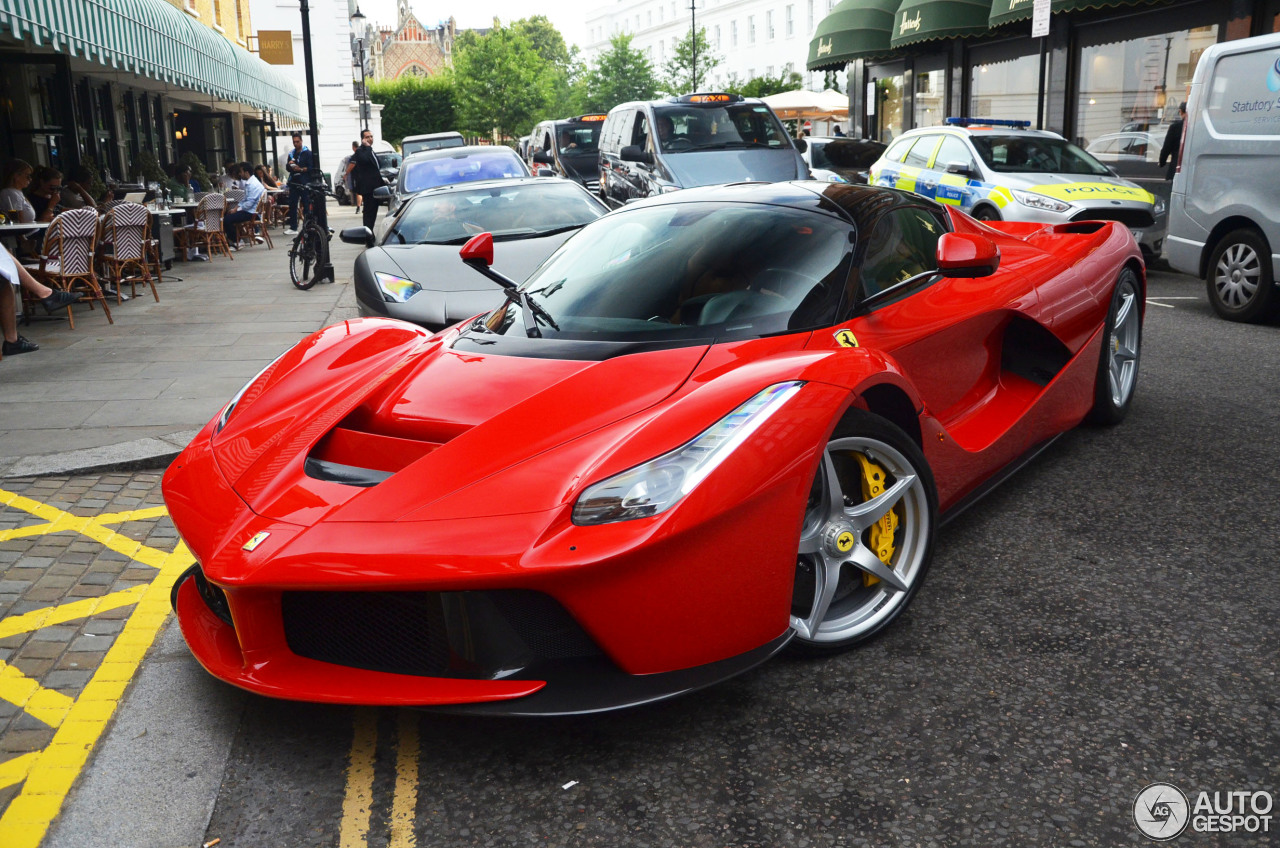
<point>930,99</point>
<point>1006,90</point>
<point>889,111</point>
<point>1135,86</point>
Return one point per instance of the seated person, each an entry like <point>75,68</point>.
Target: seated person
<point>45,193</point>
<point>10,273</point>
<point>446,223</point>
<point>75,189</point>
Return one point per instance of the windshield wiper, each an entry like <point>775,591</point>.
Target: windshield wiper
<point>530,309</point>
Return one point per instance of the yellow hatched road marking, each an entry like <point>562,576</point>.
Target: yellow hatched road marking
<point>48,705</point>
<point>404,803</point>
<point>47,775</point>
<point>357,805</point>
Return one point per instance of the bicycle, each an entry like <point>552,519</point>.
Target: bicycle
<point>309,254</point>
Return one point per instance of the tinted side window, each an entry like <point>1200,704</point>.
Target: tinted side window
<point>952,150</point>
<point>920,152</point>
<point>640,131</point>
<point>609,132</point>
<point>903,245</point>
<point>898,149</point>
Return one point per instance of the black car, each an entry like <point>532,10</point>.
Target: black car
<point>570,147</point>
<point>849,159</point>
<point>414,273</point>
<point>654,147</point>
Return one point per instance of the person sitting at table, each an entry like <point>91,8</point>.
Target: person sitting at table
<point>245,209</point>
<point>264,177</point>
<point>75,189</point>
<point>14,179</point>
<point>45,193</point>
<point>183,175</point>
<point>13,275</point>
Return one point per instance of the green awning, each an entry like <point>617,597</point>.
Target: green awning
<point>1008,11</point>
<point>155,39</point>
<point>925,20</point>
<point>855,29</point>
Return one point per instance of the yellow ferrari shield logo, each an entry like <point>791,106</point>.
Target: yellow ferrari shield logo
<point>846,338</point>
<point>844,542</point>
<point>257,539</point>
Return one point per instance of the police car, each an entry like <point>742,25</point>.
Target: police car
<point>1001,170</point>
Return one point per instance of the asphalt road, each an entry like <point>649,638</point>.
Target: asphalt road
<point>1105,620</point>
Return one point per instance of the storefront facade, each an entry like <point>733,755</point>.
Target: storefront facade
<point>1120,67</point>
<point>118,81</point>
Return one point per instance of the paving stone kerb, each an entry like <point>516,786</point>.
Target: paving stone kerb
<point>128,396</point>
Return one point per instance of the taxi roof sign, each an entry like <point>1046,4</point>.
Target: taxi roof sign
<point>597,116</point>
<point>987,122</point>
<point>707,97</point>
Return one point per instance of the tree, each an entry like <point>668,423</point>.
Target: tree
<point>563,66</point>
<point>502,84</point>
<point>765,85</point>
<point>414,105</point>
<point>618,75</point>
<point>829,80</point>
<point>679,74</point>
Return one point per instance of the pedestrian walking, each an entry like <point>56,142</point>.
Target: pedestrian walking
<point>366,176</point>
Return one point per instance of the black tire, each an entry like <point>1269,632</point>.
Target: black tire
<point>304,257</point>
<point>1239,280</point>
<point>1117,377</point>
<point>986,213</point>
<point>839,539</point>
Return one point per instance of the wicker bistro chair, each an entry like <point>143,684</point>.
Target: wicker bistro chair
<point>127,227</point>
<point>256,227</point>
<point>207,229</point>
<point>67,260</point>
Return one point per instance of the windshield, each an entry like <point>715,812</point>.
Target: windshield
<point>1029,154</point>
<point>578,139</point>
<point>686,128</point>
<point>388,160</point>
<point>408,147</point>
<point>445,169</point>
<point>690,271</point>
<point>519,210</point>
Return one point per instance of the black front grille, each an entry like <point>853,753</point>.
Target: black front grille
<point>1134,218</point>
<point>473,635</point>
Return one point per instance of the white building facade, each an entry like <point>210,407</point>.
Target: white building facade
<point>754,37</point>
<point>336,73</point>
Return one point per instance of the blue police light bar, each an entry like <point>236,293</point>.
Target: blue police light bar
<point>987,122</point>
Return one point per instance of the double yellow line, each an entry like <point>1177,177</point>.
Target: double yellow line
<point>357,805</point>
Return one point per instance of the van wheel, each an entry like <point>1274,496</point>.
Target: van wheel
<point>1240,283</point>
<point>986,213</point>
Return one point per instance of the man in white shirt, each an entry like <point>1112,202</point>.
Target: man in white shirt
<point>245,209</point>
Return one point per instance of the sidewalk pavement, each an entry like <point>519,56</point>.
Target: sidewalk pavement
<point>129,396</point>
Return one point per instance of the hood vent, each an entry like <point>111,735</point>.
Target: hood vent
<point>360,458</point>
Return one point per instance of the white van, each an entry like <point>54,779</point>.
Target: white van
<point>1224,210</point>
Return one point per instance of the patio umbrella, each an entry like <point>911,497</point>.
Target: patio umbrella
<point>809,104</point>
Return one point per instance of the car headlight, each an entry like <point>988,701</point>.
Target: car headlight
<point>225,414</point>
<point>396,289</point>
<point>659,484</point>
<point>1160,207</point>
<point>1039,201</point>
<point>667,189</point>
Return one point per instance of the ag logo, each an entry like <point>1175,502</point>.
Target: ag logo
<point>844,542</point>
<point>258,539</point>
<point>1161,811</point>
<point>846,338</point>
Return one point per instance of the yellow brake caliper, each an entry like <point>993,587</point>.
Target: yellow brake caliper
<point>882,531</point>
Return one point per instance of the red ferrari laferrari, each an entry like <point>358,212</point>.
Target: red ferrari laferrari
<point>711,425</point>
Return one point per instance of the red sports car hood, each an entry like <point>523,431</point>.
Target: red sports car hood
<point>428,414</point>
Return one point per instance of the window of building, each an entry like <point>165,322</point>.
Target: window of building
<point>791,21</point>
<point>1005,89</point>
<point>768,70</point>
<point>929,103</point>
<point>716,32</point>
<point>217,12</point>
<point>751,29</point>
<point>733,33</point>
<point>809,25</point>
<point>768,24</point>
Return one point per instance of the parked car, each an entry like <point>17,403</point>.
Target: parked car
<point>570,148</point>
<point>1135,156</point>
<point>710,426</point>
<point>653,147</point>
<point>1000,170</point>
<point>411,144</point>
<point>1224,220</point>
<point>445,166</point>
<point>411,272</point>
<point>839,159</point>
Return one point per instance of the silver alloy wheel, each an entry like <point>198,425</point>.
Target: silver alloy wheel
<point>1126,336</point>
<point>843,609</point>
<point>1237,274</point>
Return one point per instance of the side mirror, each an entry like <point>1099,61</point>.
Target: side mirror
<point>635,153</point>
<point>382,193</point>
<point>478,250</point>
<point>357,235</point>
<point>542,157</point>
<point>961,168</point>
<point>967,255</point>
<point>802,145</point>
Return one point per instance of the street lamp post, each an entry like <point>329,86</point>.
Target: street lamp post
<point>326,269</point>
<point>693,34</point>
<point>357,22</point>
